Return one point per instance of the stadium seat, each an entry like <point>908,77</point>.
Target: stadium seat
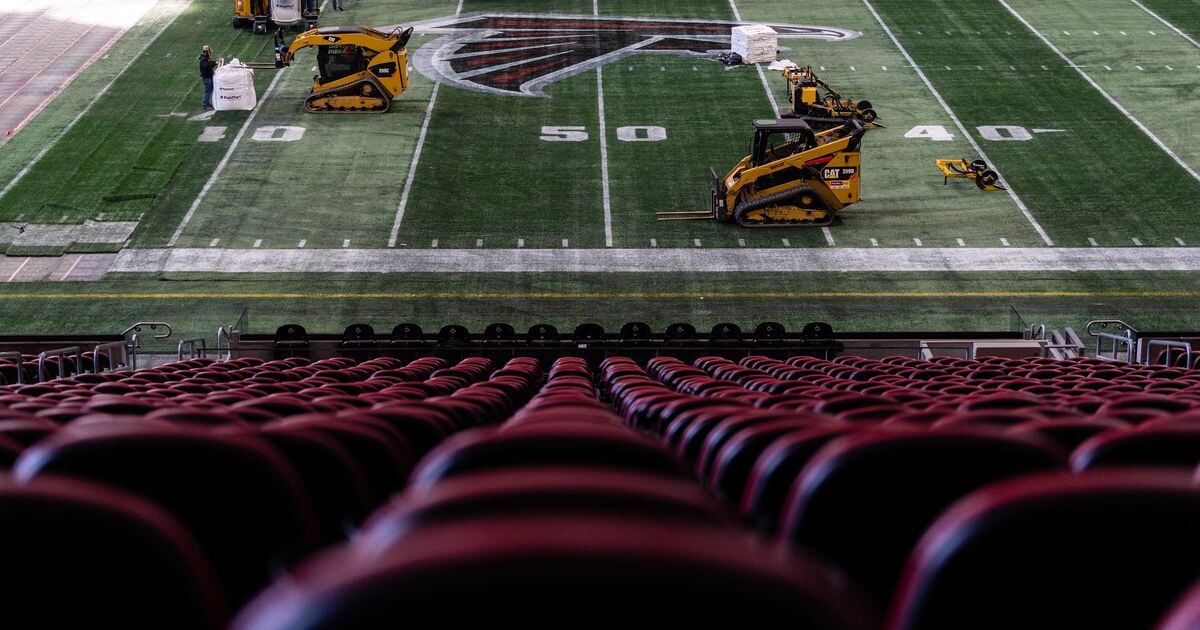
<point>544,570</point>
<point>1102,549</point>
<point>1162,447</point>
<point>80,554</point>
<point>569,490</point>
<point>776,469</point>
<point>243,502</point>
<point>583,444</point>
<point>863,500</point>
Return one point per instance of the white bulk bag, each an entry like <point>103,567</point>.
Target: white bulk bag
<point>233,87</point>
<point>756,43</point>
<point>285,12</point>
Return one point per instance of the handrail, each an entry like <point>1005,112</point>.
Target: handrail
<point>191,345</point>
<point>137,328</point>
<point>13,354</point>
<point>62,365</point>
<point>1168,344</point>
<point>1105,323</point>
<point>104,348</point>
<point>224,352</point>
<point>1117,340</point>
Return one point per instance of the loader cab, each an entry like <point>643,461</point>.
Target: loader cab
<point>777,139</point>
<point>339,61</point>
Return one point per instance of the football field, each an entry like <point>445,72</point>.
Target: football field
<point>518,178</point>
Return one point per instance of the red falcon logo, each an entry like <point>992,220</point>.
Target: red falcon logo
<point>520,54</point>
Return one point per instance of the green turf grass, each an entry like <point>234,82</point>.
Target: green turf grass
<point>1103,178</point>
<point>196,303</point>
<point>129,144</point>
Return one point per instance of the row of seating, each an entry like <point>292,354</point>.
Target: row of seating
<point>212,495</point>
<point>560,513</point>
<point>881,498</point>
<point>362,493</point>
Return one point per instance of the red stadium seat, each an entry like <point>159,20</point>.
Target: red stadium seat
<point>1107,549</point>
<point>863,500</point>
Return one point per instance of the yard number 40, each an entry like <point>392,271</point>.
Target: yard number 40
<point>995,133</point>
<point>634,133</point>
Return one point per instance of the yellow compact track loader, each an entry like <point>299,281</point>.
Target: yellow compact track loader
<point>793,177</point>
<point>975,170</point>
<point>812,97</point>
<point>361,69</point>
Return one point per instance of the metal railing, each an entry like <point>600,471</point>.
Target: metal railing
<point>224,344</point>
<point>128,357</point>
<point>1125,336</point>
<point>13,354</point>
<point>137,328</point>
<point>62,354</point>
<point>196,347</point>
<point>1168,344</point>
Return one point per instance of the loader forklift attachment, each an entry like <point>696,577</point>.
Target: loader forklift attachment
<point>974,170</point>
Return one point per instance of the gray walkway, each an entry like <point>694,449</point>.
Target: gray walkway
<point>217,260</point>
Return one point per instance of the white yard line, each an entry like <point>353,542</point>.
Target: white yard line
<point>224,161</point>
<point>1166,23</point>
<point>1106,95</point>
<point>661,260</point>
<point>605,191</point>
<point>958,123</point>
<point>412,167</point>
<point>83,112</point>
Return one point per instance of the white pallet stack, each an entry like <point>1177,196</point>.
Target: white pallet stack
<point>756,43</point>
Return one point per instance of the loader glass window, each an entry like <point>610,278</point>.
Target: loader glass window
<point>336,62</point>
<point>777,146</point>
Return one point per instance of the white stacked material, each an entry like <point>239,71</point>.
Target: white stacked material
<point>756,43</point>
<point>233,87</point>
<point>285,12</point>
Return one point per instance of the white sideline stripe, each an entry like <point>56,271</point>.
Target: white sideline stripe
<point>412,168</point>
<point>661,260</point>
<point>958,123</point>
<point>224,161</point>
<point>14,274</point>
<point>83,112</point>
<point>1109,98</point>
<point>1166,23</point>
<point>605,191</point>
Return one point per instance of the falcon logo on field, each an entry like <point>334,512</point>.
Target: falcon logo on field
<point>521,54</point>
